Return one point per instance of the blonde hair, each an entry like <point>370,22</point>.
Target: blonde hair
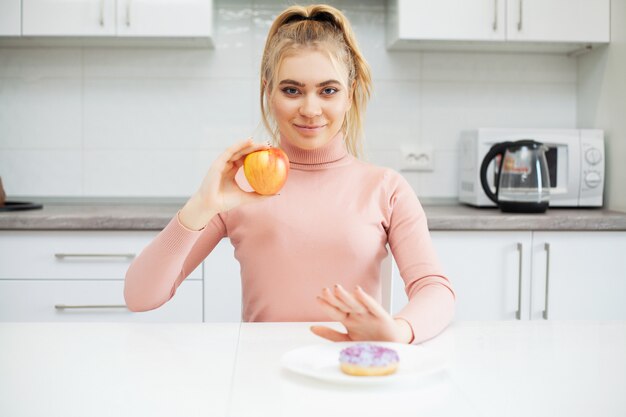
<point>316,26</point>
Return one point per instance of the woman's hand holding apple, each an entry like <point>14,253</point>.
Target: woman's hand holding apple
<point>219,191</point>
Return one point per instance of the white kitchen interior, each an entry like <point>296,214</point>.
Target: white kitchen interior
<point>147,121</point>
<point>112,124</point>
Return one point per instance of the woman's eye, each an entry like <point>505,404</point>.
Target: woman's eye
<point>329,91</point>
<point>290,91</point>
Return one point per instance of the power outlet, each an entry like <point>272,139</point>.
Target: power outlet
<point>418,159</point>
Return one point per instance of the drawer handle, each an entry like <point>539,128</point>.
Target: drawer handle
<point>94,255</point>
<point>101,12</point>
<point>518,313</point>
<point>65,306</point>
<point>545,310</point>
<point>495,15</point>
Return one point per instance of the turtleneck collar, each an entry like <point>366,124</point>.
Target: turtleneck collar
<point>334,153</point>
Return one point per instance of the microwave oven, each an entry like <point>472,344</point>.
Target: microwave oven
<point>575,164</point>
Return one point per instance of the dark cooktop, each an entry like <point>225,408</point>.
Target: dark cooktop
<point>19,205</point>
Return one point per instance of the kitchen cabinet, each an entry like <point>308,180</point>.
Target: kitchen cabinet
<point>510,275</point>
<point>490,273</point>
<point>448,19</point>
<point>174,18</point>
<point>119,19</point>
<point>579,275</point>
<point>10,18</point>
<point>584,21</point>
<point>68,18</point>
<point>222,285</point>
<point>90,300</point>
<point>533,25</point>
<point>79,276</point>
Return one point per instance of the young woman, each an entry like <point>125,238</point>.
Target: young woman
<point>313,252</point>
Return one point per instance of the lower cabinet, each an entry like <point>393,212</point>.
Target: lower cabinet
<point>79,276</point>
<point>222,285</point>
<point>501,275</point>
<point>90,300</point>
<point>579,275</point>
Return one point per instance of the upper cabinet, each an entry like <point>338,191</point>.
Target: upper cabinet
<point>578,21</point>
<point>447,20</point>
<point>534,25</point>
<point>173,18</point>
<point>68,18</point>
<point>10,18</point>
<point>116,20</point>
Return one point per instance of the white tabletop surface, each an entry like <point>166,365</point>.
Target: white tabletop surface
<point>499,369</point>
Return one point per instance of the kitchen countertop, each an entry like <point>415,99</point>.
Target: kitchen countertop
<point>151,216</point>
<point>497,368</point>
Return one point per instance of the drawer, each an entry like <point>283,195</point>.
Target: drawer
<point>72,254</point>
<point>35,300</point>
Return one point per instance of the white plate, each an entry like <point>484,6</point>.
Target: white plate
<point>322,362</point>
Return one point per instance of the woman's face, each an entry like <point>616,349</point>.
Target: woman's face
<point>310,99</point>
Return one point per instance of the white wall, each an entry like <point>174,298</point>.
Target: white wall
<point>118,122</point>
<point>602,103</point>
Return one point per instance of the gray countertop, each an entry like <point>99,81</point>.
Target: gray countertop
<point>152,216</point>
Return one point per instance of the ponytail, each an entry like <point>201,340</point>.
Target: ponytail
<point>319,25</point>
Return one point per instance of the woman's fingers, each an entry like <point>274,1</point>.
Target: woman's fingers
<point>239,149</point>
<point>252,147</point>
<point>369,302</point>
<point>332,299</point>
<point>349,300</point>
<point>333,312</point>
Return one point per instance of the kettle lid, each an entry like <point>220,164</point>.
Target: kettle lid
<point>529,143</point>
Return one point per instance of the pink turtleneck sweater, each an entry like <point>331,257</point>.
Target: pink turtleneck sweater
<point>329,225</point>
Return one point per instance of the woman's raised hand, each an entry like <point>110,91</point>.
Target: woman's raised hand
<point>219,191</point>
<point>363,317</point>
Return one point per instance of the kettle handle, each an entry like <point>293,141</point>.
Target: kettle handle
<point>497,149</point>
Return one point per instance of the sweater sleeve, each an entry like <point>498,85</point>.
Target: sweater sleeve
<point>431,297</point>
<point>155,274</point>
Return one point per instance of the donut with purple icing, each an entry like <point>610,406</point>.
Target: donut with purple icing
<point>368,359</point>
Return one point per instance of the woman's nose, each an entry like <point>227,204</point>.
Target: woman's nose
<point>310,107</point>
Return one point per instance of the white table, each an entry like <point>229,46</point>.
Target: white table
<point>495,369</point>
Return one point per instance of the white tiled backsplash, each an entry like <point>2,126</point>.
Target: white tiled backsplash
<point>121,122</point>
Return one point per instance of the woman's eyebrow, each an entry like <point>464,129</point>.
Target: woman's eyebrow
<point>299,84</point>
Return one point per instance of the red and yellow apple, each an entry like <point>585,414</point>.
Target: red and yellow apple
<point>266,170</point>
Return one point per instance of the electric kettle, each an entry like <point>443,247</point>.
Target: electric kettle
<point>522,180</point>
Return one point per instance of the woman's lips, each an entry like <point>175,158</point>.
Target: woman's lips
<point>308,129</point>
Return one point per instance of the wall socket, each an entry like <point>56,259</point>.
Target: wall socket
<point>417,158</point>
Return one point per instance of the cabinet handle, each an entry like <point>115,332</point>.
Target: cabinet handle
<point>519,22</point>
<point>545,310</point>
<point>518,313</point>
<point>65,306</point>
<point>128,13</point>
<point>495,15</point>
<point>101,12</point>
<point>94,255</point>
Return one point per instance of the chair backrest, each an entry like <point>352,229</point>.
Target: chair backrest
<point>386,279</point>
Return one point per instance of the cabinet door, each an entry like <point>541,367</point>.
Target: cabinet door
<point>450,19</point>
<point>166,18</point>
<point>558,20</point>
<point>583,275</point>
<point>10,18</point>
<point>91,300</point>
<point>63,254</point>
<point>68,18</point>
<point>489,271</point>
<point>222,285</point>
